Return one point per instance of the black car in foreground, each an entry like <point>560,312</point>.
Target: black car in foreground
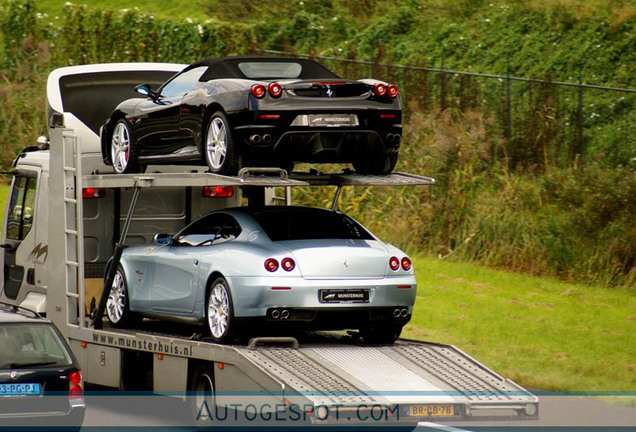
<point>256,111</point>
<point>41,384</point>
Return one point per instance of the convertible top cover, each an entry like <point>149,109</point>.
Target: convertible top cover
<point>262,68</point>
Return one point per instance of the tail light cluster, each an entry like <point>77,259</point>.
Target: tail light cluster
<point>75,385</point>
<point>274,89</point>
<point>218,191</point>
<point>395,263</point>
<point>287,264</point>
<point>89,193</point>
<point>381,89</point>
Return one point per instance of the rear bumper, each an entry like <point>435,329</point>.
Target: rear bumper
<point>256,296</point>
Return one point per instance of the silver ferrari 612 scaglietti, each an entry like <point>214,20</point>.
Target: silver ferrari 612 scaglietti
<point>246,268</point>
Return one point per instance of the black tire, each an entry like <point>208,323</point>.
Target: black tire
<point>118,306</point>
<point>201,394</point>
<point>218,147</point>
<point>379,165</point>
<point>123,156</point>
<point>219,312</point>
<point>383,334</point>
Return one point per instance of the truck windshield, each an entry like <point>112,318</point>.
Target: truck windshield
<point>309,224</point>
<point>27,344</point>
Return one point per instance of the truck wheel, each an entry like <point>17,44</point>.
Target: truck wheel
<point>122,153</point>
<point>219,313</point>
<point>384,334</point>
<point>117,306</point>
<point>219,149</point>
<point>201,393</point>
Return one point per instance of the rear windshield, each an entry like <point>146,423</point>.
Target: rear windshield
<point>309,224</point>
<point>31,345</point>
<point>260,69</point>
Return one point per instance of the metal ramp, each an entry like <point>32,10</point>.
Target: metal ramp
<point>406,374</point>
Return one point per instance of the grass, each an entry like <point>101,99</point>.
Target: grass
<point>539,332</point>
<point>167,8</point>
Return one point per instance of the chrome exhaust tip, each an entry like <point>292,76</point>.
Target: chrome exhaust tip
<point>275,314</point>
<point>255,139</point>
<point>284,314</point>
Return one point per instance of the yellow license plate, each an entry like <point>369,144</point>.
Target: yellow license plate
<point>432,410</point>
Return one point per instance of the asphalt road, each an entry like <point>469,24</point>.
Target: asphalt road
<point>557,413</point>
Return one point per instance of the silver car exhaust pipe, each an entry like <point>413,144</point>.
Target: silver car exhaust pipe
<point>255,139</point>
<point>275,314</point>
<point>284,314</point>
<point>396,313</point>
<point>267,138</point>
<point>400,313</point>
<point>404,313</point>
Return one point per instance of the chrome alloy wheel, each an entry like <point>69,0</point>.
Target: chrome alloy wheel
<point>216,143</point>
<point>120,147</point>
<point>116,304</point>
<point>218,310</point>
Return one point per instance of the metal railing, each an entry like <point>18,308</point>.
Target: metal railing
<point>529,121</point>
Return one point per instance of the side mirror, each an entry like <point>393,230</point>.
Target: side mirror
<point>144,89</point>
<point>162,239</point>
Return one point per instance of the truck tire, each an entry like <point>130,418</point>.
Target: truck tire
<point>201,394</point>
<point>219,313</point>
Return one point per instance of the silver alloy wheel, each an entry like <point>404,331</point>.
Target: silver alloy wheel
<point>116,304</point>
<point>120,148</point>
<point>216,143</point>
<point>218,310</point>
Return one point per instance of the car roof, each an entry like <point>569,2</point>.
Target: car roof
<point>17,314</point>
<point>228,67</point>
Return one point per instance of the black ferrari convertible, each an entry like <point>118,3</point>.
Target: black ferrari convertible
<point>256,111</point>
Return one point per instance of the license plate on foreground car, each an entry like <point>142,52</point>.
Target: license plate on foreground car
<point>344,296</point>
<point>332,120</point>
<point>432,410</point>
<point>19,389</point>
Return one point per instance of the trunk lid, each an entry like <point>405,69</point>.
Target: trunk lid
<point>339,259</point>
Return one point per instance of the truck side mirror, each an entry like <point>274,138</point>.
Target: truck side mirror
<point>162,239</point>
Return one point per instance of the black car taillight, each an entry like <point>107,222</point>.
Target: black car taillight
<point>379,89</point>
<point>75,385</point>
<point>258,91</point>
<point>275,89</point>
<point>392,90</point>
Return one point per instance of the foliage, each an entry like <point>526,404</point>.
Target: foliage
<point>546,190</point>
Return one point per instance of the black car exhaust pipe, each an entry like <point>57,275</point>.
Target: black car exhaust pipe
<point>255,139</point>
<point>284,314</point>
